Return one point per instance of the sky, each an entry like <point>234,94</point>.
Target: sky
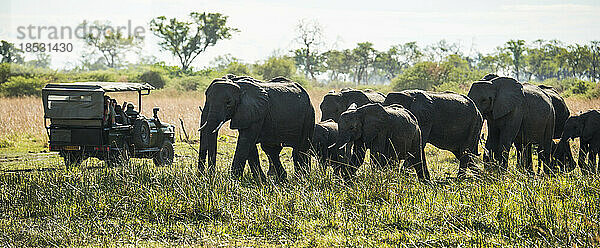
<point>267,27</point>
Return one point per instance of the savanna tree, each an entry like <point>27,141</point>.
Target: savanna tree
<point>187,39</point>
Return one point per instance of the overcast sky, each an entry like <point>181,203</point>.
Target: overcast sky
<point>267,27</point>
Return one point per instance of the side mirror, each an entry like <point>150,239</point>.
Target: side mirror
<point>155,111</point>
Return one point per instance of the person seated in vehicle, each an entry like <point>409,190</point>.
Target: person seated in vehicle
<point>120,118</point>
<point>131,112</point>
<point>109,111</point>
<point>106,114</point>
<point>113,113</point>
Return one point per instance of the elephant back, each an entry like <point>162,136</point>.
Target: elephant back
<point>561,111</point>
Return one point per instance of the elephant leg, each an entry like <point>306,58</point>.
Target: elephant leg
<point>491,148</point>
<point>501,154</point>
<point>273,152</point>
<point>246,139</point>
<point>418,161</point>
<point>592,159</point>
<point>528,159</point>
<point>301,162</point>
<point>544,156</point>
<point>520,159</point>
<point>464,162</point>
<point>254,163</point>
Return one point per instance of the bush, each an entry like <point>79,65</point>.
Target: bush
<point>275,67</point>
<point>423,75</point>
<point>453,74</point>
<point>22,86</point>
<point>4,72</point>
<point>237,68</point>
<point>95,76</point>
<point>153,78</point>
<point>192,83</point>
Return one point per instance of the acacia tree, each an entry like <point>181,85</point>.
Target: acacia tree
<point>310,37</point>
<point>186,40</point>
<point>110,43</point>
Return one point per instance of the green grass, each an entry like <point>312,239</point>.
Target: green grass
<point>140,204</point>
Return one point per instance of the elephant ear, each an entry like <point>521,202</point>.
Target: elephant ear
<point>422,107</point>
<point>375,120</point>
<point>252,106</point>
<point>509,95</point>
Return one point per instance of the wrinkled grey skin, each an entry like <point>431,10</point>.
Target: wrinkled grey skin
<point>391,133</point>
<point>335,103</point>
<point>276,113</point>
<point>324,136</point>
<point>516,113</point>
<point>447,120</point>
<point>586,127</point>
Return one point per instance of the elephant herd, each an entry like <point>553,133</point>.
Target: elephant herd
<point>278,113</point>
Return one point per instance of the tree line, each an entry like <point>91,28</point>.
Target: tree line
<point>403,65</point>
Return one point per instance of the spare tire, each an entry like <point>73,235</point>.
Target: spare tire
<point>141,133</point>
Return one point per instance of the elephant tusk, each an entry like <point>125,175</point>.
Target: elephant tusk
<point>331,146</point>
<point>202,127</point>
<point>344,145</point>
<point>218,127</point>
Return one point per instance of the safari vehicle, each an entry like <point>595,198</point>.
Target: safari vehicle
<point>85,122</point>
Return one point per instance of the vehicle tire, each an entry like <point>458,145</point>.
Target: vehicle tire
<point>141,133</point>
<point>164,156</point>
<point>72,159</point>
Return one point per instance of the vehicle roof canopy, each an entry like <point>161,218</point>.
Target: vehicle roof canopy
<point>82,100</point>
<point>104,86</point>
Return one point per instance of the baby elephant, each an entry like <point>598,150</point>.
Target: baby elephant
<point>391,133</point>
<point>586,126</point>
<point>324,136</point>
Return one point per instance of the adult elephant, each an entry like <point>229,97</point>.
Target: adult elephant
<point>391,133</point>
<point>447,120</point>
<point>275,114</point>
<point>586,127</point>
<point>335,103</point>
<point>515,113</point>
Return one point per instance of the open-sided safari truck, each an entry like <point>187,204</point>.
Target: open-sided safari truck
<point>85,122</point>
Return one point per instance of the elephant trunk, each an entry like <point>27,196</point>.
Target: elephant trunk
<point>564,155</point>
<point>210,123</point>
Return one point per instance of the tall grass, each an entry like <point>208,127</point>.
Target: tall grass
<point>142,204</point>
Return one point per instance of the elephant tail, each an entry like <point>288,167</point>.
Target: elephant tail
<point>474,135</point>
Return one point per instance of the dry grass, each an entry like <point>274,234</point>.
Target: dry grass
<point>24,116</point>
